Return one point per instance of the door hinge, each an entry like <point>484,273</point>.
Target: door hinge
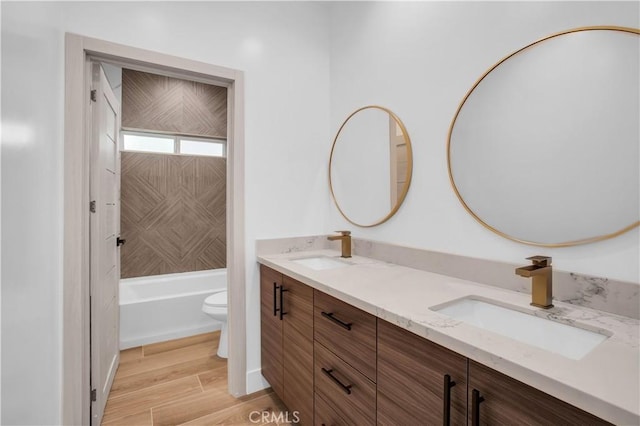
<point>94,395</point>
<point>92,206</point>
<point>94,95</point>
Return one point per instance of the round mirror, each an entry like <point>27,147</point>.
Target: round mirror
<point>370,166</point>
<point>544,148</point>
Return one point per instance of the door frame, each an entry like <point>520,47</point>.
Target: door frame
<point>75,312</point>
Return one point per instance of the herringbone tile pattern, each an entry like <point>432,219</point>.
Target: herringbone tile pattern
<point>165,104</point>
<point>173,213</point>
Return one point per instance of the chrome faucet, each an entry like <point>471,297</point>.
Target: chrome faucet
<point>345,237</point>
<point>542,285</point>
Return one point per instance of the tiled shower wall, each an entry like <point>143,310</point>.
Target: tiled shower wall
<point>165,104</point>
<point>173,208</point>
<point>173,213</point>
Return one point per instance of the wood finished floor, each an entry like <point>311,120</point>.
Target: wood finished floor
<point>180,382</point>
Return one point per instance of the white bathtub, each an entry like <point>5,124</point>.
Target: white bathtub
<point>164,307</point>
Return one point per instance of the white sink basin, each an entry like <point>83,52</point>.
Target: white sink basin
<point>571,342</point>
<point>321,262</point>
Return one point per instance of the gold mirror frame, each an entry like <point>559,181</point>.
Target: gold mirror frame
<point>405,189</point>
<point>453,122</point>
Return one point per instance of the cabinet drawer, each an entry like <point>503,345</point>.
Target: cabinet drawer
<point>347,331</point>
<point>351,395</point>
<point>325,415</point>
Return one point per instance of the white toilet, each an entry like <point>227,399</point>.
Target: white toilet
<point>216,307</point>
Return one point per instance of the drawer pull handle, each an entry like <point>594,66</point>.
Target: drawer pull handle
<point>446,409</point>
<point>476,399</point>
<point>345,325</point>
<point>282,312</point>
<point>275,299</point>
<point>345,388</point>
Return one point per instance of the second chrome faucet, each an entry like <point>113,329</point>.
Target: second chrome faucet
<point>345,237</point>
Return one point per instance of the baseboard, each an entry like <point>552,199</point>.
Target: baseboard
<point>255,381</point>
<point>146,340</point>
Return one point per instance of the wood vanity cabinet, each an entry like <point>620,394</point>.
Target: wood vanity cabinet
<point>345,363</point>
<point>415,387</point>
<point>338,365</point>
<point>496,399</point>
<point>286,318</point>
<point>419,382</point>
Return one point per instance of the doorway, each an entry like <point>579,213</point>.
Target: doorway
<point>76,313</point>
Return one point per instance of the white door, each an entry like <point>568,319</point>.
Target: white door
<point>105,228</point>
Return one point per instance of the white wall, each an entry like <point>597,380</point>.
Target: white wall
<point>284,50</point>
<point>419,59</point>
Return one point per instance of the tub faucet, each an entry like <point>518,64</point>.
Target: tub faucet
<point>542,285</point>
<point>345,237</point>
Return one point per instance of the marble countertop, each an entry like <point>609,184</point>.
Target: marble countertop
<point>605,382</point>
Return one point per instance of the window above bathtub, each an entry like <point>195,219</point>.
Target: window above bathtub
<point>163,143</point>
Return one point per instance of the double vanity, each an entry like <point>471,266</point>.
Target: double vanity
<point>411,337</point>
<point>363,341</point>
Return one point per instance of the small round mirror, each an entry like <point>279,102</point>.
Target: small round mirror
<point>370,166</point>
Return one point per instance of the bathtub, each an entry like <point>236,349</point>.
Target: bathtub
<point>164,307</point>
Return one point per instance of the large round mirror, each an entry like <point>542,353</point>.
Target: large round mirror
<point>370,166</point>
<point>544,148</point>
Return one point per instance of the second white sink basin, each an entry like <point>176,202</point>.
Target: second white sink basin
<point>571,342</point>
<point>320,262</point>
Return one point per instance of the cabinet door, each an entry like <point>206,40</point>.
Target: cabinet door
<point>346,331</point>
<point>298,349</point>
<point>508,401</point>
<point>271,328</point>
<point>414,378</point>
